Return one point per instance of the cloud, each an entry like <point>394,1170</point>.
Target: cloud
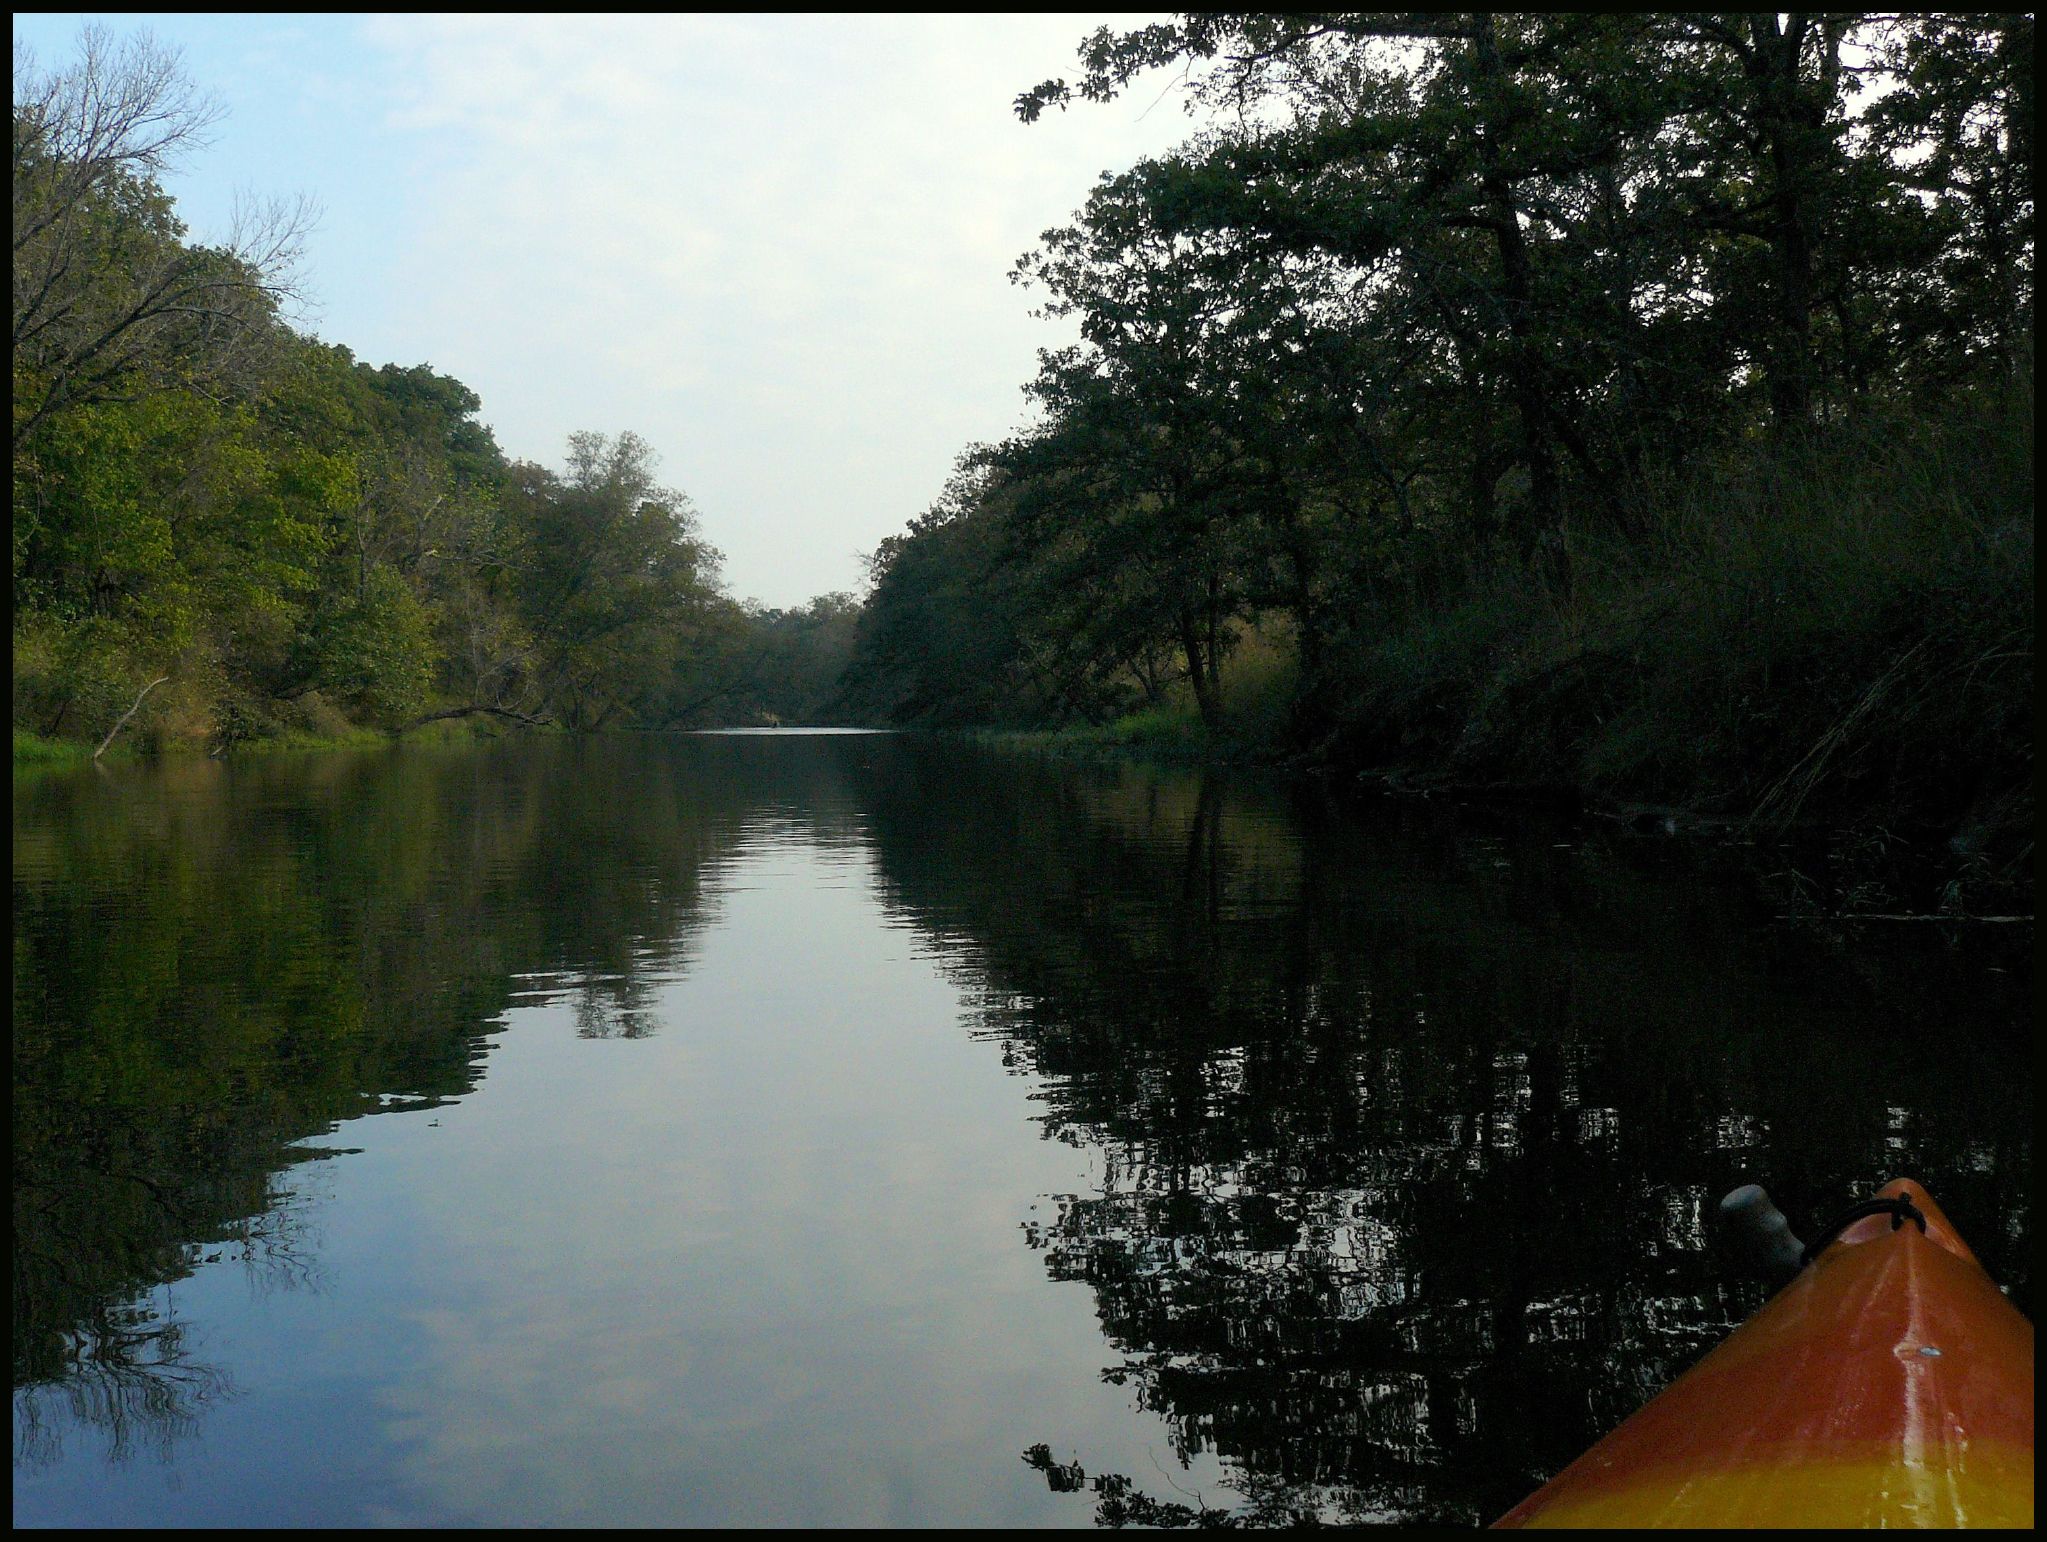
<point>777,247</point>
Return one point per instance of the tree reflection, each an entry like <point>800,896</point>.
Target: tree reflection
<point>1408,1129</point>
<point>214,963</point>
<point>123,1370</point>
<point>616,1008</point>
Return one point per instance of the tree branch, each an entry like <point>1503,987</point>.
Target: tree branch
<point>123,723</point>
<point>503,712</point>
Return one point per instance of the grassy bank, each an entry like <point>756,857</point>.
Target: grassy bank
<point>37,752</point>
<point>1839,637</point>
<point>1828,644</point>
<point>1260,680</point>
<point>1170,735</point>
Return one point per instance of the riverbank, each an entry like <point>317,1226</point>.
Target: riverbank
<point>1827,648</point>
<point>1824,859</point>
<point>35,752</point>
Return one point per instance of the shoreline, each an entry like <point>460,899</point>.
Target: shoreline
<point>1829,870</point>
<point>1834,868</point>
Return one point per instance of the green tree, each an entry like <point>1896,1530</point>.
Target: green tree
<point>942,638</point>
<point>619,573</point>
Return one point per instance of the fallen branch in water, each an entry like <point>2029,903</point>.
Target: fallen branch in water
<point>1890,917</point>
<point>109,739</point>
<point>503,712</point>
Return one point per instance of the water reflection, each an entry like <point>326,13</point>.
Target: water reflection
<point>1411,1128</point>
<point>213,963</point>
<point>1400,1129</point>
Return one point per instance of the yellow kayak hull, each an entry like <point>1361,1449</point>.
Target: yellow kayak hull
<point>1889,1384</point>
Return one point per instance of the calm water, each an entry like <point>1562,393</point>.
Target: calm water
<point>849,1129</point>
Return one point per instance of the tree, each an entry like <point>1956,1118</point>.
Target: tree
<point>1136,487</point>
<point>108,298</point>
<point>941,638</point>
<point>1959,124</point>
<point>618,576</point>
<point>1387,158</point>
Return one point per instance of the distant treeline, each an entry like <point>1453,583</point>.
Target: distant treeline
<point>1643,402</point>
<point>288,539</point>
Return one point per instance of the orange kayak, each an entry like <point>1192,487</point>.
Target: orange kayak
<point>1889,1384</point>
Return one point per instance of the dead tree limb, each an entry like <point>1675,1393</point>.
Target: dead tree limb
<point>503,712</point>
<point>109,739</point>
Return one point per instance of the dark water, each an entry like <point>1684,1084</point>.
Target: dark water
<point>854,1130</point>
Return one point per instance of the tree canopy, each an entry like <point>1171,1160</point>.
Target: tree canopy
<point>1640,400</point>
<point>1460,358</point>
<point>207,497</point>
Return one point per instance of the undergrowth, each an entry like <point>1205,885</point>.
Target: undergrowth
<point>1838,634</point>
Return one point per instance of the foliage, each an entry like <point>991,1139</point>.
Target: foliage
<point>107,294</point>
<point>1641,401</point>
<point>1635,400</point>
<point>300,541</point>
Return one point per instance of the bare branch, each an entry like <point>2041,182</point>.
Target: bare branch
<point>104,282</point>
<point>123,723</point>
<point>477,711</point>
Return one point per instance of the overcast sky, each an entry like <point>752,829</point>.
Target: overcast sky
<point>775,247</point>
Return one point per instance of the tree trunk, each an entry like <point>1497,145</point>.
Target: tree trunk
<point>1791,120</point>
<point>1197,670</point>
<point>1215,651</point>
<point>1538,524</point>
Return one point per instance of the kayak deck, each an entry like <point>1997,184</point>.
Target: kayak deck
<point>1889,1384</point>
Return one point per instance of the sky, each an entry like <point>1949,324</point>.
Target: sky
<point>775,247</point>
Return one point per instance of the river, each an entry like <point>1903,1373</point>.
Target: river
<point>843,1129</point>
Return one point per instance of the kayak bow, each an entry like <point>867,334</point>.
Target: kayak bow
<point>1889,1384</point>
